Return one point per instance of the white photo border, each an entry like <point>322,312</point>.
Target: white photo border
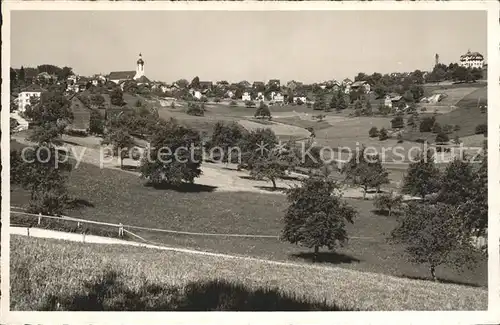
<point>490,316</point>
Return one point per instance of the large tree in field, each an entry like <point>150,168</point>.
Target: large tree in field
<point>255,143</point>
<point>422,176</point>
<point>456,182</point>
<point>273,164</point>
<point>225,137</point>
<point>341,102</point>
<point>432,235</point>
<point>121,141</point>
<point>366,170</point>
<point>172,157</point>
<point>50,115</point>
<point>263,111</point>
<point>317,215</point>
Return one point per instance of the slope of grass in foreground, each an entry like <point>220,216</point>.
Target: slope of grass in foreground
<point>45,272</point>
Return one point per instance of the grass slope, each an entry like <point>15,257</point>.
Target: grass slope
<point>116,196</point>
<point>45,272</point>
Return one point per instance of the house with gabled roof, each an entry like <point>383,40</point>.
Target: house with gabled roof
<point>24,97</point>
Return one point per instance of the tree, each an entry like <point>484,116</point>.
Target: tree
<point>427,123</point>
<point>116,97</point>
<point>422,176</point>
<point>273,164</point>
<point>50,115</point>
<point>397,122</point>
<point>195,83</point>
<point>380,90</point>
<point>263,111</point>
<point>97,101</point>
<point>96,122</point>
<point>388,202</point>
<point>333,102</point>
<point>177,164</point>
<point>249,103</point>
<point>255,143</point>
<point>382,135</point>
<point>442,137</point>
<point>317,215</point>
<point>366,171</point>
<point>436,128</point>
<point>373,133</point>
<point>121,141</point>
<point>481,129</point>
<point>22,75</point>
<point>319,102</point>
<point>195,109</point>
<point>456,182</point>
<point>341,103</point>
<point>44,176</point>
<point>368,111</point>
<point>358,105</point>
<point>225,137</point>
<point>319,117</point>
<point>432,235</point>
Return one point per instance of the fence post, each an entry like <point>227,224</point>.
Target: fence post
<point>39,218</point>
<point>83,237</point>
<point>78,224</point>
<point>120,230</point>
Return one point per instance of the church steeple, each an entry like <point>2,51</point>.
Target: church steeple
<point>139,71</point>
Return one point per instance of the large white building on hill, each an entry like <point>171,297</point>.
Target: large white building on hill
<point>472,60</point>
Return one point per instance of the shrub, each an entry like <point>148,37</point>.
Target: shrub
<point>436,128</point>
<point>397,122</point>
<point>76,133</point>
<point>388,202</point>
<point>373,133</point>
<point>249,103</point>
<point>383,134</point>
<point>482,129</point>
<point>195,110</point>
<point>442,137</point>
<point>233,103</point>
<point>427,124</point>
<point>217,100</point>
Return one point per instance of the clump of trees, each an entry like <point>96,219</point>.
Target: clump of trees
<point>388,202</point>
<point>175,165</point>
<point>373,133</point>
<point>263,111</point>
<point>196,109</point>
<point>225,138</point>
<point>317,216</point>
<point>422,177</point>
<point>365,170</point>
<point>44,169</point>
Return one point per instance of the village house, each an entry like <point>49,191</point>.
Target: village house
<point>300,98</point>
<point>260,96</point>
<point>392,100</point>
<point>361,85</point>
<point>277,97</point>
<point>229,94</point>
<point>246,96</point>
<point>24,97</point>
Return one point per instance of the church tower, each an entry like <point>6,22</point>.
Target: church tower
<point>139,70</point>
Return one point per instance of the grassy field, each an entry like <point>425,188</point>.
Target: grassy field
<point>45,273</point>
<point>116,196</point>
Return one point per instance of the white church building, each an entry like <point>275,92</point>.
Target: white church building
<point>137,75</point>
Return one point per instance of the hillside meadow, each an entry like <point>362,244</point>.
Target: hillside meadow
<point>49,274</point>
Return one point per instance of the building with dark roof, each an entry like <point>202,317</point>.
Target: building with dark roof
<point>120,76</point>
<point>472,60</point>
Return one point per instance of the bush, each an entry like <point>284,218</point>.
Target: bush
<point>427,124</point>
<point>383,134</point>
<point>436,128</point>
<point>195,110</point>
<point>482,129</point>
<point>397,122</point>
<point>388,202</point>
<point>233,103</point>
<point>76,133</point>
<point>373,133</point>
<point>442,137</point>
<point>249,103</point>
<point>217,100</point>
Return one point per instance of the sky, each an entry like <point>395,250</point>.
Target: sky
<point>307,46</point>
